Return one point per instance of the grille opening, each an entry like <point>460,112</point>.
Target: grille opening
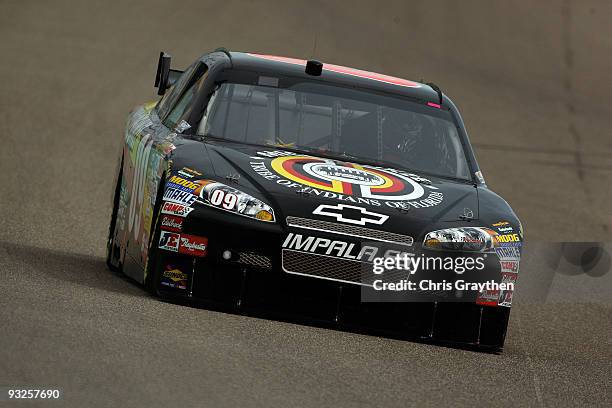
<point>253,259</point>
<point>350,230</point>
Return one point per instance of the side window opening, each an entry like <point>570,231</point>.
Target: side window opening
<point>184,92</point>
<point>169,98</point>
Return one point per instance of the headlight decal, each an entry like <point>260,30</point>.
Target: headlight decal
<point>470,239</point>
<point>224,197</point>
<point>501,239</point>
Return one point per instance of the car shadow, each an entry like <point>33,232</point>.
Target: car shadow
<point>91,271</point>
<point>80,269</point>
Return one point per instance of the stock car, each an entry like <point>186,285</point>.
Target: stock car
<point>266,183</point>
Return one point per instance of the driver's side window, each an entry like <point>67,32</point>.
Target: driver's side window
<point>172,93</point>
<point>170,101</point>
<point>181,109</point>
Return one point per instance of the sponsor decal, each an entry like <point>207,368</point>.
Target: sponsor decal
<point>507,240</point>
<point>179,187</point>
<point>172,223</point>
<point>140,158</point>
<point>505,229</point>
<point>508,253</point>
<point>179,196</point>
<point>334,248</point>
<point>510,244</point>
<point>488,298</point>
<point>192,245</point>
<point>347,182</point>
<point>176,209</point>
<point>342,174</point>
<point>192,171</point>
<point>223,199</point>
<point>183,243</point>
<point>169,241</point>
<point>186,172</point>
<point>509,266</point>
<point>350,214</point>
<point>505,296</point>
<point>142,172</point>
<point>502,296</point>
<point>182,184</point>
<point>173,277</point>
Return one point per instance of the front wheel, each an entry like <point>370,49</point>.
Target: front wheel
<point>153,266</point>
<point>113,261</point>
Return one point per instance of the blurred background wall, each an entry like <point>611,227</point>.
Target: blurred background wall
<point>531,78</point>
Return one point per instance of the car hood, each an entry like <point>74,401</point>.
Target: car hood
<point>307,186</point>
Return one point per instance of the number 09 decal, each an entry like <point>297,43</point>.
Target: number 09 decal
<point>223,199</point>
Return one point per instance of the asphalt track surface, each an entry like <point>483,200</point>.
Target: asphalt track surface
<point>533,83</point>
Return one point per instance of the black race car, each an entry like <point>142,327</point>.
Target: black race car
<point>266,183</point>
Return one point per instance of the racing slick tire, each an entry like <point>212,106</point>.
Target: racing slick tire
<point>112,249</point>
<point>153,266</point>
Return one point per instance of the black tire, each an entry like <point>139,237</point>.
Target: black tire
<point>112,250</point>
<point>153,269</point>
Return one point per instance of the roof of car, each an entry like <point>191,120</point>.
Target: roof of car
<point>332,73</point>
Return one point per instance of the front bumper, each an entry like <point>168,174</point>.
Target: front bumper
<point>251,279</point>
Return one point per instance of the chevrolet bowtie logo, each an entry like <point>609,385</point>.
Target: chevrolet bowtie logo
<point>350,214</point>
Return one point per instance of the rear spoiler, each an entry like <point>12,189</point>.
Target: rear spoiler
<point>165,76</point>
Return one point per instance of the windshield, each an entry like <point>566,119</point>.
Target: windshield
<point>335,121</point>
